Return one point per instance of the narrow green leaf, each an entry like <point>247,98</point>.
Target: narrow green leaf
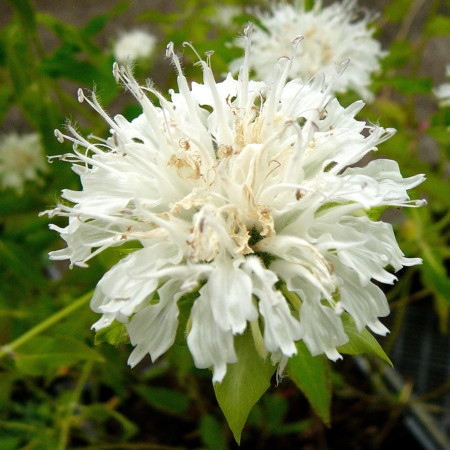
<point>244,384</point>
<point>164,399</point>
<point>26,14</point>
<point>360,342</point>
<point>97,23</point>
<point>442,306</point>
<point>211,433</point>
<point>312,376</point>
<point>114,334</point>
<point>434,273</point>
<point>408,85</point>
<point>99,413</point>
<point>44,354</point>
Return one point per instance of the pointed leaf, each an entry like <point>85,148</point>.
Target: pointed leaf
<point>164,399</point>
<point>312,376</point>
<point>244,384</point>
<point>360,342</point>
<point>44,354</point>
<point>211,433</point>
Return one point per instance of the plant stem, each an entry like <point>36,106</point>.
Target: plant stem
<point>9,348</point>
<point>67,419</point>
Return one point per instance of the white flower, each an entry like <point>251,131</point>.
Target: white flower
<point>246,194</point>
<point>442,92</point>
<point>134,45</point>
<point>224,15</point>
<point>21,160</point>
<point>331,35</point>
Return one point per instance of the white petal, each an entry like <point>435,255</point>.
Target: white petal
<point>322,329</point>
<point>281,329</point>
<point>153,328</point>
<point>229,290</point>
<point>364,303</point>
<point>209,344</point>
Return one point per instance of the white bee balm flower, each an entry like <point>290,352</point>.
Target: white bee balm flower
<point>134,45</point>
<point>242,192</point>
<point>21,160</point>
<point>333,34</point>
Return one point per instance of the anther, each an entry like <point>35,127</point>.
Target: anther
<point>116,72</point>
<point>169,50</point>
<point>59,136</point>
<point>248,29</point>
<point>81,96</point>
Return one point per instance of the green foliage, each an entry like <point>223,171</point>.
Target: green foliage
<point>312,376</point>
<point>164,399</point>
<point>244,384</point>
<point>395,11</point>
<point>56,389</point>
<point>360,343</point>
<point>46,355</point>
<point>114,334</point>
<point>212,434</point>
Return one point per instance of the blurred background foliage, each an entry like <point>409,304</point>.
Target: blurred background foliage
<point>57,389</point>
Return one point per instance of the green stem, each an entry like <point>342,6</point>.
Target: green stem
<point>67,419</point>
<point>9,348</point>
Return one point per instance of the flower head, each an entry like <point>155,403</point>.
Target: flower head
<point>134,45</point>
<point>245,194</point>
<point>21,160</point>
<point>331,35</point>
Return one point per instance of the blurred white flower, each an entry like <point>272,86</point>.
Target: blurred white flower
<point>224,14</point>
<point>331,35</point>
<point>134,45</point>
<point>442,92</point>
<point>21,160</point>
<point>245,193</point>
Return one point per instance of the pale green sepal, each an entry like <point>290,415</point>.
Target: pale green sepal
<point>114,334</point>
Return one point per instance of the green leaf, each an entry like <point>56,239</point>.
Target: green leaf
<point>408,85</point>
<point>164,399</point>
<point>399,55</point>
<point>438,26</point>
<point>16,260</point>
<point>44,354</point>
<point>275,407</point>
<point>440,133</point>
<point>114,334</point>
<point>395,11</point>
<point>360,342</point>
<point>442,306</point>
<point>26,14</point>
<point>312,376</point>
<point>244,384</point>
<point>435,275</point>
<point>97,23</point>
<point>99,413</point>
<point>211,433</point>
<point>390,111</point>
